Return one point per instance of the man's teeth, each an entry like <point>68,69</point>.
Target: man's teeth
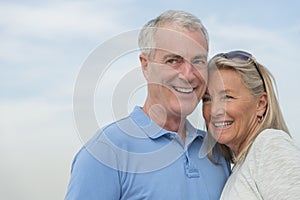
<point>183,90</point>
<point>222,124</point>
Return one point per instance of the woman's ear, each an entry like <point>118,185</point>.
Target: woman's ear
<point>262,104</point>
<point>144,64</point>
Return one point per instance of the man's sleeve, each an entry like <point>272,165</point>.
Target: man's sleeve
<point>91,179</point>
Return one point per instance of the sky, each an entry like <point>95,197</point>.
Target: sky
<point>46,45</point>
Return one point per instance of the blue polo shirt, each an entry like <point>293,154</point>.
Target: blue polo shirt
<point>134,158</point>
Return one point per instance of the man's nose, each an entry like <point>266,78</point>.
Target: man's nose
<point>187,71</point>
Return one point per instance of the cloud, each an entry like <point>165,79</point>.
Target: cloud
<point>236,35</point>
<point>62,19</point>
<point>37,32</point>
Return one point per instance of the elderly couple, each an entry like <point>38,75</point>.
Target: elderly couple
<point>155,153</point>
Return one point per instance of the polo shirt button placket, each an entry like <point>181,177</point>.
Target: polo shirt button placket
<point>190,171</point>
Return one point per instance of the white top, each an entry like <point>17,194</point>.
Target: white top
<point>271,170</point>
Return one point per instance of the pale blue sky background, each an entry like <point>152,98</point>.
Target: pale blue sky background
<point>44,44</point>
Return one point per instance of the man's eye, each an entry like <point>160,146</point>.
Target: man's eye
<point>172,61</point>
<point>199,61</point>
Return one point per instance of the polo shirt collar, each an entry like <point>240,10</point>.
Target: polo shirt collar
<point>153,131</point>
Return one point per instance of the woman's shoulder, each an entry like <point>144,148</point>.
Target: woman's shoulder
<point>272,135</point>
<point>276,163</point>
<point>272,143</point>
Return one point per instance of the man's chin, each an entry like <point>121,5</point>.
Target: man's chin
<point>184,112</point>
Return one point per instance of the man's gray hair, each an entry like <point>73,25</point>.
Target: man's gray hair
<point>178,19</point>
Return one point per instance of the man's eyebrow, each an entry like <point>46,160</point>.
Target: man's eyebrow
<point>200,56</point>
<point>176,56</point>
<point>165,57</point>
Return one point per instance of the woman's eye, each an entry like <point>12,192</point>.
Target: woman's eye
<point>206,99</point>
<point>226,97</point>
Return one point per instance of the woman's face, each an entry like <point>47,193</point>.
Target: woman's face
<point>229,109</point>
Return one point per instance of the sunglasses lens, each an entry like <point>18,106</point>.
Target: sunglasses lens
<point>238,55</point>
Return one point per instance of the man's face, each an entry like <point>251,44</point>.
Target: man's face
<point>177,71</point>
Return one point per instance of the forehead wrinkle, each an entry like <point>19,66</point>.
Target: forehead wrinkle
<point>183,44</point>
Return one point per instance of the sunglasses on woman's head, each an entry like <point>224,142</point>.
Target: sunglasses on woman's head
<point>241,56</point>
<point>236,55</point>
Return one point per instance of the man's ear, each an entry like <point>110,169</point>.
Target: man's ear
<point>262,104</point>
<point>144,64</point>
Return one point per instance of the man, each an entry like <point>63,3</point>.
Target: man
<point>154,153</point>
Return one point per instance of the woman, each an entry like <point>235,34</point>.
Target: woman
<point>242,114</point>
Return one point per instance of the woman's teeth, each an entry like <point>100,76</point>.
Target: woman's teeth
<point>222,124</point>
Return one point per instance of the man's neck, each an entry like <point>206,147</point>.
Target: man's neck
<point>167,122</point>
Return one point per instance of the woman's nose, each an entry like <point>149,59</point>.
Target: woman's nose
<point>218,108</point>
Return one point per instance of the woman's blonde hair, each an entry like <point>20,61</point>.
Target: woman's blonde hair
<point>258,80</point>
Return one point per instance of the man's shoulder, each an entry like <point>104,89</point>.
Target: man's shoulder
<point>115,131</point>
